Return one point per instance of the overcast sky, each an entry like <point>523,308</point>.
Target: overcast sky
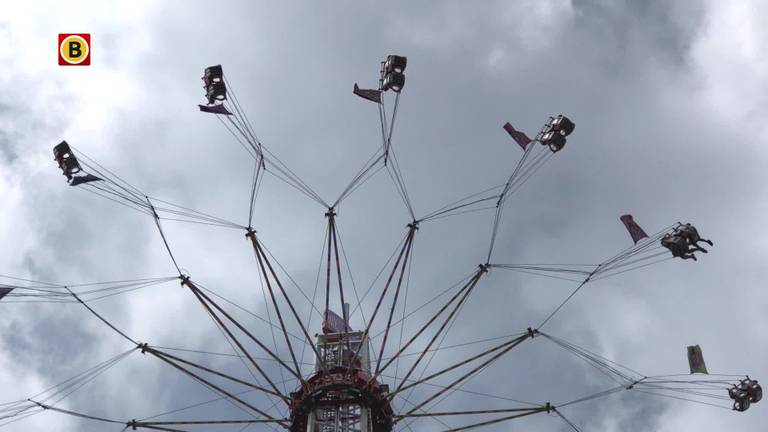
<point>669,99</point>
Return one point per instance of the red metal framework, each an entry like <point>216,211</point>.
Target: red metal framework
<point>341,386</point>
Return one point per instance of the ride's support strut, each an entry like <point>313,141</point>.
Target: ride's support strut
<point>264,265</point>
<point>258,252</point>
<point>476,369</point>
<point>73,413</point>
<point>463,293</point>
<point>158,353</point>
<point>475,412</point>
<point>207,302</point>
<point>491,350</point>
<point>412,228</point>
<point>570,296</point>
<point>156,217</point>
<point>468,286</point>
<point>333,236</point>
<point>498,420</point>
<point>101,318</point>
<point>406,246</point>
<point>214,387</point>
<point>329,215</point>
<point>157,425</point>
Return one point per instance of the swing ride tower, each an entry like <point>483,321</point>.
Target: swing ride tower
<point>341,396</point>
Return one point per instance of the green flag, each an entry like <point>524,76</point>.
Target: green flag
<point>696,360</point>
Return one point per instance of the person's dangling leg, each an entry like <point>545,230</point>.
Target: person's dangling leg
<point>689,255</point>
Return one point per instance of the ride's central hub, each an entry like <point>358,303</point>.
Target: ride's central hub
<point>344,397</point>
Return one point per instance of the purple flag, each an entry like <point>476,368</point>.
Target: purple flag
<point>634,229</point>
<point>520,137</point>
<point>333,323</point>
<point>215,109</point>
<point>371,95</point>
<point>4,291</point>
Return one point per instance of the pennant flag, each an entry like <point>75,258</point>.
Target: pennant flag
<point>83,179</point>
<point>634,229</point>
<point>333,323</point>
<point>215,109</point>
<point>4,291</point>
<point>520,137</point>
<point>696,360</point>
<point>370,94</point>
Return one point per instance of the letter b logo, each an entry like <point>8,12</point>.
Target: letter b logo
<point>74,49</point>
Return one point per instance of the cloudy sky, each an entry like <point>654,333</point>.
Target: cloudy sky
<point>667,99</point>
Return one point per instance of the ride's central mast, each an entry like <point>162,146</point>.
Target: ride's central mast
<point>340,396</point>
